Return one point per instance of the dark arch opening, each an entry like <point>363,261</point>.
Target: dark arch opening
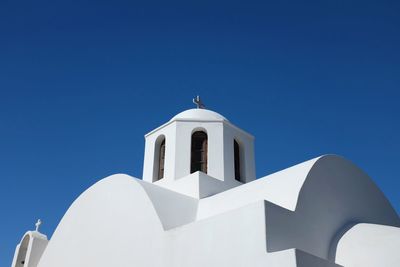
<point>22,252</point>
<point>199,152</point>
<point>236,149</point>
<point>161,160</point>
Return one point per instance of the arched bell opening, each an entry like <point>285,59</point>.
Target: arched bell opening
<point>237,161</point>
<point>199,152</point>
<point>22,252</point>
<point>159,159</point>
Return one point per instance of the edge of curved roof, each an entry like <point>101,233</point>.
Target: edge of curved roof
<point>199,114</point>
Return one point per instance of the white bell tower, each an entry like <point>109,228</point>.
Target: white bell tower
<point>29,251</point>
<point>199,153</point>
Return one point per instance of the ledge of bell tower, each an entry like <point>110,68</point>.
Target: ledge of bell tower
<point>198,185</point>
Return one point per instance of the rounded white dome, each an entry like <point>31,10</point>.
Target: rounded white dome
<point>199,114</point>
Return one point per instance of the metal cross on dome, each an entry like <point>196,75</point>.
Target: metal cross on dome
<point>198,103</point>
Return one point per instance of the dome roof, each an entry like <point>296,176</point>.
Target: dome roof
<point>200,115</point>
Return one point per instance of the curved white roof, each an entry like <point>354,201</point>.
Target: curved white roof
<point>199,114</point>
<point>303,207</point>
<point>369,245</point>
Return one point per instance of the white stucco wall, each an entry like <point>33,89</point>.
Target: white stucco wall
<point>310,204</point>
<point>121,221</point>
<point>198,185</point>
<point>369,245</point>
<point>292,218</point>
<point>113,223</point>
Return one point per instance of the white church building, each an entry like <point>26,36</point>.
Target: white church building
<point>199,204</point>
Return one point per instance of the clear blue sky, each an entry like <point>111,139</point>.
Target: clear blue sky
<point>82,82</point>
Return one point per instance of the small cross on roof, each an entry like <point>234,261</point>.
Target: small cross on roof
<point>37,224</point>
<point>198,103</point>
